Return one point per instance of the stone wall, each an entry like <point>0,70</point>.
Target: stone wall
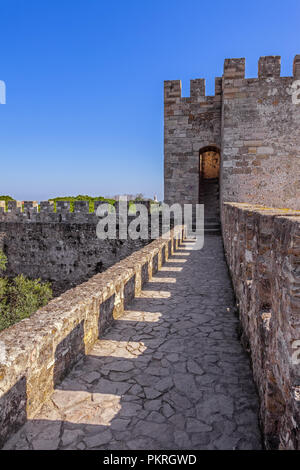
<point>263,253</point>
<point>63,253</point>
<point>38,352</point>
<point>260,158</point>
<point>60,247</point>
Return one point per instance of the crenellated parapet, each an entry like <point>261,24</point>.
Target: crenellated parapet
<point>260,134</point>
<point>173,91</point>
<point>268,66</point>
<point>45,211</point>
<point>233,73</point>
<point>253,121</point>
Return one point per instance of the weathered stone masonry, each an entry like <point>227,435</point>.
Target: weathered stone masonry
<point>262,247</point>
<point>255,125</point>
<point>37,353</point>
<point>253,121</point>
<point>190,125</point>
<point>60,247</point>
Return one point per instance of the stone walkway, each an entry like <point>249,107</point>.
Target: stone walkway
<point>170,374</point>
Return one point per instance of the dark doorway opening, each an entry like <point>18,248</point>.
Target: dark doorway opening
<point>209,171</point>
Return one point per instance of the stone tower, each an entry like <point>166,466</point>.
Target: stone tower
<point>244,140</point>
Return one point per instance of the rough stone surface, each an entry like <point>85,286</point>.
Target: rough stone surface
<point>37,353</point>
<point>66,253</point>
<point>263,251</point>
<point>169,374</point>
<point>254,122</point>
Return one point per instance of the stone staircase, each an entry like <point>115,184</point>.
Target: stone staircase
<point>209,196</point>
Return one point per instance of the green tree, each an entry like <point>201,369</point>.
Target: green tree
<point>20,297</point>
<point>81,197</point>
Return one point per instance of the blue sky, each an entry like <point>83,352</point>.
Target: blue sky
<point>84,111</point>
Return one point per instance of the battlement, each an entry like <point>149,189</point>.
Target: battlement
<point>173,89</point>
<point>47,211</point>
<point>255,121</point>
<point>234,69</point>
<point>268,66</point>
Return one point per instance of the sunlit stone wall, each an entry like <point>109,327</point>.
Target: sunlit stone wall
<point>262,248</point>
<point>38,352</point>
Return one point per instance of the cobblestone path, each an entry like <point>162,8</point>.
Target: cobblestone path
<point>170,374</point>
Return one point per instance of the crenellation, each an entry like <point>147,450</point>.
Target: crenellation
<point>269,66</point>
<point>45,212</point>
<point>197,88</point>
<point>81,206</point>
<point>296,67</point>
<point>14,206</point>
<point>30,206</point>
<point>47,206</point>
<point>218,86</point>
<point>234,68</point>
<point>172,90</point>
<point>63,206</point>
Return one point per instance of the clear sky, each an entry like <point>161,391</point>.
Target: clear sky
<point>84,78</point>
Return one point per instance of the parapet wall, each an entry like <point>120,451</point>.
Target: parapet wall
<point>38,352</point>
<point>61,247</point>
<point>31,211</point>
<point>262,248</point>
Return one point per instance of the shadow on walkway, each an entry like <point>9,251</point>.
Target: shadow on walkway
<point>169,374</point>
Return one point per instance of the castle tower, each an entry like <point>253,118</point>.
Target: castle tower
<point>246,137</point>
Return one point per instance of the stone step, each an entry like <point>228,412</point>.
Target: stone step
<point>214,230</point>
<point>208,190</point>
<point>210,180</point>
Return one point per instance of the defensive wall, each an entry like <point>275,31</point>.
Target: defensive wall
<point>253,124</point>
<point>38,352</point>
<point>58,246</point>
<point>262,247</point>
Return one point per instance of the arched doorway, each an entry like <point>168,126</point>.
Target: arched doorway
<point>209,170</point>
<point>209,163</point>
